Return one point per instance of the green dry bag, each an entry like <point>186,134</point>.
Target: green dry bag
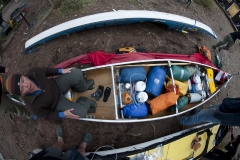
<point>181,103</point>
<point>180,73</point>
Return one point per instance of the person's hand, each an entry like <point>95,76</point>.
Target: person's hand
<point>67,70</point>
<point>69,114</point>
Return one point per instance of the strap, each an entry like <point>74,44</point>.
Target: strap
<point>204,152</point>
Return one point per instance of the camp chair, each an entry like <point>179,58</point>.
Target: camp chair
<point>4,27</point>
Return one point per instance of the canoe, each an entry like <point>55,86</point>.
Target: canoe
<point>174,146</point>
<point>166,20</point>
<point>107,68</point>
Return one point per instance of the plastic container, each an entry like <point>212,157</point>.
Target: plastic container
<point>194,97</point>
<point>127,86</point>
<point>196,87</point>
<point>203,94</point>
<point>189,85</point>
<point>195,79</point>
<point>141,97</point>
<point>140,86</point>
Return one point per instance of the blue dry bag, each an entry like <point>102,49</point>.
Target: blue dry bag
<point>132,74</point>
<point>155,80</point>
<point>135,111</point>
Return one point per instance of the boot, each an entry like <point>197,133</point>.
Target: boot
<point>90,84</point>
<point>59,132</point>
<point>98,94</point>
<point>93,104</point>
<point>107,93</point>
<point>219,49</point>
<point>87,138</point>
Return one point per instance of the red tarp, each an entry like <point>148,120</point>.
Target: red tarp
<point>101,58</point>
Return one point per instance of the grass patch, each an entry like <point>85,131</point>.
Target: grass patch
<point>70,6</point>
<point>3,38</point>
<point>206,3</point>
<point>15,26</point>
<point>73,5</point>
<point>133,1</point>
<point>41,15</point>
<point>59,15</point>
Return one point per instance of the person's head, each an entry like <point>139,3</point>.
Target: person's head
<point>17,84</point>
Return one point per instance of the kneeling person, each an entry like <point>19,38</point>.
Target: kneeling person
<point>43,96</point>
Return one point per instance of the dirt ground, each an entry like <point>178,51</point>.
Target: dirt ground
<point>19,136</point>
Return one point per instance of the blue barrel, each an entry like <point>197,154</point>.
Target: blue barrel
<point>155,80</point>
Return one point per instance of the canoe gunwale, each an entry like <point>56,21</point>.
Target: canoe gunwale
<point>149,60</point>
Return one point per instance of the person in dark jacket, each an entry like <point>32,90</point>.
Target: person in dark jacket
<point>43,96</point>
<point>55,152</point>
<point>231,150</point>
<point>227,114</point>
<point>228,41</point>
<point>7,105</point>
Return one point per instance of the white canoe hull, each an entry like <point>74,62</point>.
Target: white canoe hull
<point>167,20</point>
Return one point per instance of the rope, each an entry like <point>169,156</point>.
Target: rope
<point>102,147</point>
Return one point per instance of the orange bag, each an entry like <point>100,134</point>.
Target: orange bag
<point>170,88</point>
<point>162,102</point>
<point>183,86</point>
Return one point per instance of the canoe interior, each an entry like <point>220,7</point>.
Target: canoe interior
<point>104,77</point>
<point>105,110</point>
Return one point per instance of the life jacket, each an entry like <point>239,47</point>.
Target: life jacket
<point>205,52</point>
